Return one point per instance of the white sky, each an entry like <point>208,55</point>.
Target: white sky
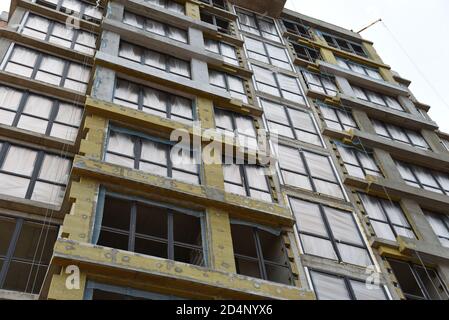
<point>421,27</point>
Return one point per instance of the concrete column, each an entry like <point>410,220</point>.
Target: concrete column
<point>115,10</point>
<point>200,71</point>
<point>408,105</point>
<point>388,165</point>
<point>60,291</point>
<point>4,46</point>
<point>103,85</point>
<point>16,18</point>
<point>363,121</point>
<point>434,141</point>
<point>193,10</point>
<point>419,221</point>
<point>344,86</point>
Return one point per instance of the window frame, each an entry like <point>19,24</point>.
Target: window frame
<point>165,26</point>
<point>235,129</point>
<point>347,282</point>
<point>297,30</point>
<point>445,143</point>
<point>216,5</point>
<point>382,96</point>
<point>330,234</point>
<point>137,156</point>
<point>51,120</point>
<point>385,213</point>
<point>359,164</point>
<point>227,87</point>
<point>337,112</point>
<point>216,20</point>
<point>267,53</point>
<point>170,211</point>
<point>51,25</point>
<point>84,5</point>
<point>167,59</point>
<point>307,50</point>
<point>290,123</point>
<point>166,6</point>
<point>417,277</point>
<point>34,175</point>
<point>260,257</point>
<point>322,85</point>
<point>405,132</point>
<point>257,18</point>
<point>125,291</point>
<point>308,172</point>
<point>220,44</point>
<point>38,64</point>
<point>350,63</point>
<point>334,43</point>
<point>444,219</point>
<point>13,243</point>
<point>430,172</point>
<point>244,177</point>
<point>169,105</point>
<point>279,88</point>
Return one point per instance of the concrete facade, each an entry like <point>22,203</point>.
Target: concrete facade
<point>345,221</point>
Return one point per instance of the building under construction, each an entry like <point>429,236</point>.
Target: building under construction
<point>93,205</point>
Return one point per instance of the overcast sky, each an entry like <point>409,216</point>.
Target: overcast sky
<point>421,27</point>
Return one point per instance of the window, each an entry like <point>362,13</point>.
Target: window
<point>151,229</point>
<point>440,225</point>
<point>345,45</point>
<point>153,101</point>
<point>154,59</point>
<point>267,53</point>
<point>445,143</point>
<point>339,119</point>
<point>376,98</point>
<point>216,3</point>
<point>26,248</point>
<point>36,113</point>
<point>246,180</point>
<point>80,8</point>
<point>155,27</point>
<point>57,33</point>
<point>223,25</point>
<point>359,68</point>
<point>306,53</point>
<point>238,126</point>
<point>49,69</point>
<point>334,287</point>
<point>101,291</point>
<point>297,28</point>
<point>358,163</point>
<point>261,26</point>
<point>152,155</point>
<point>32,174</point>
<point>235,85</point>
<point>278,84</point>
<point>309,171</point>
<point>170,5</point>
<point>290,122</point>
<point>227,51</point>
<point>395,133</point>
<point>260,253</point>
<point>329,233</point>
<point>387,218</point>
<point>418,283</point>
<point>424,178</point>
<point>320,83</point>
